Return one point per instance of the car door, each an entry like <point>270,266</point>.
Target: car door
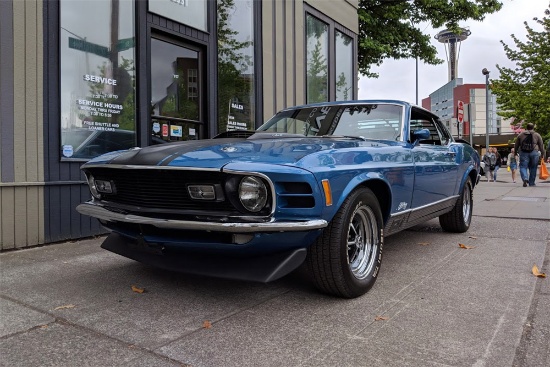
<point>435,162</point>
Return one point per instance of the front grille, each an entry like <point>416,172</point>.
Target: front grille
<point>162,189</point>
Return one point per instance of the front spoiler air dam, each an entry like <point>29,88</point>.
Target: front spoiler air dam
<point>100,212</point>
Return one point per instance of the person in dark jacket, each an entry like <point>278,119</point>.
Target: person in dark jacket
<point>497,164</point>
<point>531,149</point>
<point>490,160</point>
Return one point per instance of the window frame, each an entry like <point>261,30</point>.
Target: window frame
<point>333,26</point>
<point>444,137</point>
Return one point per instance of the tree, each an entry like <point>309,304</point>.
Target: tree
<point>391,28</point>
<point>317,76</point>
<point>523,92</point>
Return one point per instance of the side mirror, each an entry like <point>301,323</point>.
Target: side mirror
<point>421,134</point>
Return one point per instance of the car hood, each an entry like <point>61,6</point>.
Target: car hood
<point>215,153</point>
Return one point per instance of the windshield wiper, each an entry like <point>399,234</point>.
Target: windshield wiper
<point>345,136</point>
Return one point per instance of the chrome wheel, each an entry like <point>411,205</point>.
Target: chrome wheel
<point>345,260</point>
<point>362,242</point>
<point>467,204</point>
<point>458,219</point>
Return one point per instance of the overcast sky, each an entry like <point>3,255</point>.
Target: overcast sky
<point>482,49</point>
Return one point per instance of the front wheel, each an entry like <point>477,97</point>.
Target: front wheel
<point>459,218</point>
<point>345,259</point>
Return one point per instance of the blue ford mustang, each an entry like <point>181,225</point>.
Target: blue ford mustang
<point>319,184</point>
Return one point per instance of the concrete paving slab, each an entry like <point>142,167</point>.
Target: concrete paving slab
<point>66,345</point>
<point>173,304</point>
<point>16,318</point>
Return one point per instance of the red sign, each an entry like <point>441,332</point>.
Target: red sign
<point>164,130</point>
<point>460,114</point>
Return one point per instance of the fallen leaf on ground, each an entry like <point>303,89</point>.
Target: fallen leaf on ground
<point>464,246</point>
<point>423,243</point>
<point>381,318</point>
<point>43,326</point>
<point>63,307</point>
<point>207,324</point>
<point>474,237</point>
<point>137,290</point>
<point>537,273</point>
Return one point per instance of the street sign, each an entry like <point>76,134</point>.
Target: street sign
<point>90,47</point>
<point>125,44</point>
<point>460,114</point>
<point>82,45</point>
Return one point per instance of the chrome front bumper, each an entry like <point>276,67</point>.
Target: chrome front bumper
<point>100,212</point>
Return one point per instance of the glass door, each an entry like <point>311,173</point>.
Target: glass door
<point>176,103</point>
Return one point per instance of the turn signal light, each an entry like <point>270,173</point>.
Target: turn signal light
<point>328,192</point>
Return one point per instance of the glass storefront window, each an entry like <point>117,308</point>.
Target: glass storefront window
<point>317,60</point>
<point>175,92</point>
<point>188,12</point>
<point>344,67</point>
<point>236,95</point>
<point>97,77</point>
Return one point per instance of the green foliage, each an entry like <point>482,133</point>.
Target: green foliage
<point>523,92</point>
<point>390,28</point>
<point>317,76</point>
<point>342,89</point>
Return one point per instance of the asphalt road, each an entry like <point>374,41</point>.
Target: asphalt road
<point>434,304</point>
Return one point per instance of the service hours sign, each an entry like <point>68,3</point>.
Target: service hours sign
<point>97,77</point>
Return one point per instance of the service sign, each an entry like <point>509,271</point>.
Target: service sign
<point>97,79</point>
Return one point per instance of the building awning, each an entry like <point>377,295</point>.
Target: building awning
<point>504,140</point>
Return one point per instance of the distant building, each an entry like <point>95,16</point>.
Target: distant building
<point>444,102</point>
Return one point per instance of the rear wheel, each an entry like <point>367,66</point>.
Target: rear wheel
<point>345,259</point>
<point>458,220</point>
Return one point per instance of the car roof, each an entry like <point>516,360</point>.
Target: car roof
<point>358,101</point>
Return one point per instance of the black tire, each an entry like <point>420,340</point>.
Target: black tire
<point>345,259</point>
<point>458,220</point>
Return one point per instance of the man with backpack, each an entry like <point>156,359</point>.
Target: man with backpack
<point>531,149</point>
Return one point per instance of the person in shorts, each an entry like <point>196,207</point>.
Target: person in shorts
<point>513,163</point>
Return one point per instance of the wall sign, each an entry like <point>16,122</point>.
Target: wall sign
<point>97,77</point>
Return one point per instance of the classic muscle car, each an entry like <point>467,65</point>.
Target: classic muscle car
<point>318,184</point>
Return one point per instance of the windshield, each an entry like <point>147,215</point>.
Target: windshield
<point>369,121</point>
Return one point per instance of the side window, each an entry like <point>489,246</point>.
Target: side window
<point>443,132</point>
<point>423,120</point>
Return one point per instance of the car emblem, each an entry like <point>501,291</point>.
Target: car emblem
<point>201,192</point>
<point>229,149</point>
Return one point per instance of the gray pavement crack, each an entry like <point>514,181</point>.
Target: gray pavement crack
<point>66,322</point>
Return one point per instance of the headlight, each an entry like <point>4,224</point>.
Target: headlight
<point>252,193</point>
<point>91,185</point>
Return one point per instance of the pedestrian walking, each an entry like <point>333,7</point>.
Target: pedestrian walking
<point>531,149</point>
<point>498,163</point>
<point>513,162</point>
<point>490,161</point>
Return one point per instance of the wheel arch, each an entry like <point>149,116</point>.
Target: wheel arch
<point>472,175</point>
<point>383,193</point>
<point>381,190</point>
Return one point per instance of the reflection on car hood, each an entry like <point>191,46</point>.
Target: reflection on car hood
<point>215,153</point>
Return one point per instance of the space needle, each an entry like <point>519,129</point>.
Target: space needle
<point>451,41</point>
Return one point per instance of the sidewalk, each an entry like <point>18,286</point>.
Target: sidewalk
<point>512,200</point>
<point>434,303</point>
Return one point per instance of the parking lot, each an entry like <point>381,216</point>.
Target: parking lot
<point>435,303</point>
